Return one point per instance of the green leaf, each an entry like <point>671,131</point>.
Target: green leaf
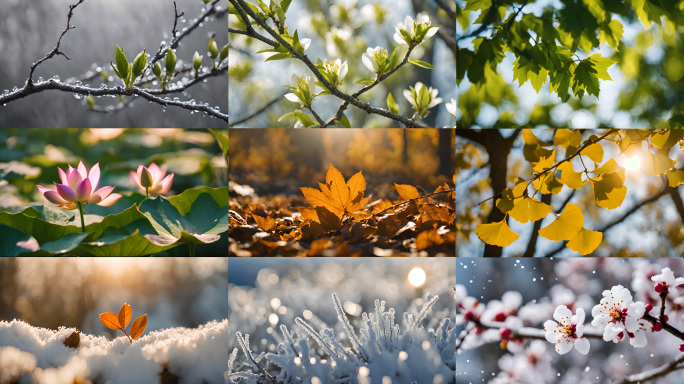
<point>611,33</point>
<point>29,221</point>
<point>586,78</point>
<point>205,220</point>
<point>285,4</point>
<point>14,242</point>
<point>278,56</point>
<point>184,201</point>
<point>601,65</point>
<point>170,62</point>
<point>365,81</point>
<point>62,246</point>
<point>221,138</point>
<point>139,63</point>
<point>122,67</point>
<point>224,53</point>
<point>391,104</point>
<point>421,64</point>
<point>123,244</point>
<point>344,121</point>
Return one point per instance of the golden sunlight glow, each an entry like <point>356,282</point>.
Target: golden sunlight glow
<point>116,266</point>
<point>417,277</point>
<point>632,164</point>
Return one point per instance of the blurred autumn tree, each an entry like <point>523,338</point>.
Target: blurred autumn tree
<point>594,192</point>
<point>561,55</point>
<point>276,156</point>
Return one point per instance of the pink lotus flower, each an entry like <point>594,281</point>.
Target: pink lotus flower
<point>152,178</point>
<point>77,187</point>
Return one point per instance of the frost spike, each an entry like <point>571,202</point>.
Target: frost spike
<point>348,328</point>
<point>427,307</point>
<point>312,332</point>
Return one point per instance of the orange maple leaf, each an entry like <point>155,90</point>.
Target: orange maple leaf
<point>338,196</point>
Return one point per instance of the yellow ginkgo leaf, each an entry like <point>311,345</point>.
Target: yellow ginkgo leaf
<point>594,152</point>
<point>656,164</point>
<point>586,241</point>
<point>529,209</point>
<point>566,137</point>
<point>566,226</point>
<point>498,234</point>
<point>613,199</point>
<point>569,177</point>
<point>675,177</point>
<point>546,162</point>
<point>611,166</point>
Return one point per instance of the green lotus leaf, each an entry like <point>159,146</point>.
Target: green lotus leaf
<point>203,222</point>
<point>121,244</point>
<point>14,242</point>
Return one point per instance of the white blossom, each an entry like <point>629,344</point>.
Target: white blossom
<point>568,331</point>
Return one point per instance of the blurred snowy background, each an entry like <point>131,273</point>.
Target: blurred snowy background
<point>54,292</point>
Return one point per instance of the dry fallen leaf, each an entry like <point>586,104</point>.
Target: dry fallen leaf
<point>74,340</point>
<point>337,196</point>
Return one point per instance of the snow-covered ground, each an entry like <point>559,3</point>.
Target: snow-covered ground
<point>38,355</point>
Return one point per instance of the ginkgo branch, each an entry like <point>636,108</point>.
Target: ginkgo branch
<point>556,165</point>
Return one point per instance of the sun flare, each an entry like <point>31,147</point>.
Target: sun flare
<point>632,164</point>
<point>417,277</point>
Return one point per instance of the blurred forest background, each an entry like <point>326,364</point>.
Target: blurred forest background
<point>30,157</point>
<point>30,29</point>
<point>343,29</point>
<point>70,292</point>
<point>282,160</point>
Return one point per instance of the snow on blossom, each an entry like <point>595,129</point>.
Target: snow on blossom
<point>666,280</point>
<point>567,331</point>
<point>617,313</point>
<point>499,310</point>
<point>531,366</point>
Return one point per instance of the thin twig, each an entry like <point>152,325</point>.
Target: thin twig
<point>257,112</point>
<point>56,50</point>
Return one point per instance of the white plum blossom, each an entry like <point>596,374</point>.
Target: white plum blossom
<point>666,280</point>
<point>500,310</point>
<point>375,58</point>
<point>303,91</point>
<point>412,32</point>
<point>451,107</point>
<point>335,71</point>
<point>568,331</point>
<point>617,313</point>
<point>422,98</point>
